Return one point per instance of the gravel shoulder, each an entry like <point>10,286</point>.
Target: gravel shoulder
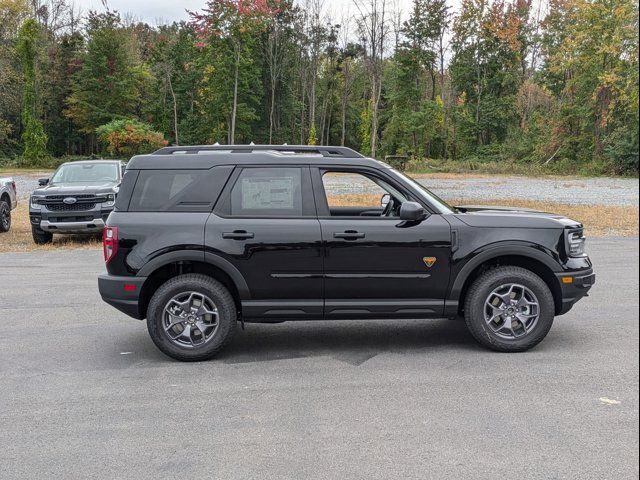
<point>565,190</point>
<point>562,190</point>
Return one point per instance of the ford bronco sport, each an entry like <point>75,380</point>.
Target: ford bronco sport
<point>204,237</point>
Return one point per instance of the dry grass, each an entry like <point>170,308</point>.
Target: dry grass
<point>599,220</point>
<point>18,239</point>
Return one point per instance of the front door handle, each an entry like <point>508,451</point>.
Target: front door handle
<point>349,235</point>
<point>238,235</point>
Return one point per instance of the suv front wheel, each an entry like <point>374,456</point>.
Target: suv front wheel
<point>191,317</point>
<point>509,309</point>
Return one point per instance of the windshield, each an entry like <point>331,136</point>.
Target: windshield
<point>440,205</point>
<point>86,173</point>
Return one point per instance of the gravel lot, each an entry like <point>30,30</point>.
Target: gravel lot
<point>571,191</point>
<point>85,394</point>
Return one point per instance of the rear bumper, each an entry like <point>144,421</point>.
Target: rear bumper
<point>122,293</point>
<point>579,286</point>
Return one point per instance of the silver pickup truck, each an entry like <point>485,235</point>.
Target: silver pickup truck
<point>8,201</point>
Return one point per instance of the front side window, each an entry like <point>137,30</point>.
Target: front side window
<point>86,173</point>
<point>356,194</point>
<point>268,192</point>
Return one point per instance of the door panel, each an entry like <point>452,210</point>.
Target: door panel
<point>377,267</point>
<point>265,225</point>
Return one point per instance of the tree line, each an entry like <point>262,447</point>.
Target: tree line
<point>549,82</point>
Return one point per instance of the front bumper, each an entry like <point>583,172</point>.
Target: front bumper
<point>77,222</point>
<point>92,226</point>
<point>122,293</point>
<point>578,287</point>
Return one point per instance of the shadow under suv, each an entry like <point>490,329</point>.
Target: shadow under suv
<point>204,237</point>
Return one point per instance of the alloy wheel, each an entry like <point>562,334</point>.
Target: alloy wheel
<point>190,319</point>
<point>511,311</point>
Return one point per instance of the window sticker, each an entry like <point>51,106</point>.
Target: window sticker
<point>267,192</point>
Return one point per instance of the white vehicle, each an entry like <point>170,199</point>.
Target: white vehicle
<point>8,201</point>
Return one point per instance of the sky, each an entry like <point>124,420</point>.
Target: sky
<point>157,12</point>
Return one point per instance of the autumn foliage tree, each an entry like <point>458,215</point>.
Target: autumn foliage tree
<point>508,83</point>
<point>125,138</point>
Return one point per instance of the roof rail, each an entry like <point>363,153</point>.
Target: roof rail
<point>321,150</point>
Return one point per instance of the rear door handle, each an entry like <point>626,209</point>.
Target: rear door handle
<point>349,235</point>
<point>238,235</point>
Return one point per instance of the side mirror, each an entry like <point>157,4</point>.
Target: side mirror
<point>43,181</point>
<point>412,212</point>
<point>384,200</point>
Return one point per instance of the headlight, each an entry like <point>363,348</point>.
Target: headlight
<point>575,243</point>
<point>35,201</point>
<point>109,200</point>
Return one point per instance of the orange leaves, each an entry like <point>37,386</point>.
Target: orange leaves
<point>129,137</point>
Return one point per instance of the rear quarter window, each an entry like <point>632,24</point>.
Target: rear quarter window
<point>178,190</point>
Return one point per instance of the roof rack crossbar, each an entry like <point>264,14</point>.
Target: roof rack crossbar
<point>322,150</point>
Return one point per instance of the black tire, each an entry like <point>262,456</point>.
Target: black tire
<point>40,237</point>
<point>474,308</point>
<point>5,216</point>
<point>193,282</point>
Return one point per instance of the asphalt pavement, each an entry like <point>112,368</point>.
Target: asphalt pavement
<point>85,394</point>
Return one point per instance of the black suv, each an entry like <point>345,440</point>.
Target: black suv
<point>203,237</point>
<point>77,199</point>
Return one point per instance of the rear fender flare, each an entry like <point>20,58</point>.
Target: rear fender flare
<point>199,256</point>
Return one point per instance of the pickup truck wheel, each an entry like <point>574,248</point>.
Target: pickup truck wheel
<point>191,317</point>
<point>5,216</point>
<point>509,309</point>
<point>40,237</point>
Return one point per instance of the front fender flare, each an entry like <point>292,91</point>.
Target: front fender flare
<point>531,251</point>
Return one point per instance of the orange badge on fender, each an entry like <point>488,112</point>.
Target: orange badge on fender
<point>429,261</point>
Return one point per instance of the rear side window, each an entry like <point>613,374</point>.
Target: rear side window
<point>270,192</point>
<point>178,190</point>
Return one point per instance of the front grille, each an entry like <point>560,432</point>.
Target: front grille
<point>74,207</point>
<point>84,202</point>
<point>59,198</point>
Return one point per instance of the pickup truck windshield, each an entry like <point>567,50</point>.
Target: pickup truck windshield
<point>86,173</point>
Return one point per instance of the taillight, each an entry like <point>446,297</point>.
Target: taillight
<point>109,242</point>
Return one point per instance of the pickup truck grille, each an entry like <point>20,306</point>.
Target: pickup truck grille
<point>56,203</point>
<point>76,207</point>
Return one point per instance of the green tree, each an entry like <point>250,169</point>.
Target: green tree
<point>591,64</point>
<point>229,31</point>
<point>33,136</point>
<point>110,83</point>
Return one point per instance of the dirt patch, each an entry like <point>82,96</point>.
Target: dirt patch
<point>18,239</point>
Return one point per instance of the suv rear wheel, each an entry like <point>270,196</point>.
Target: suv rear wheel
<point>191,317</point>
<point>509,309</point>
